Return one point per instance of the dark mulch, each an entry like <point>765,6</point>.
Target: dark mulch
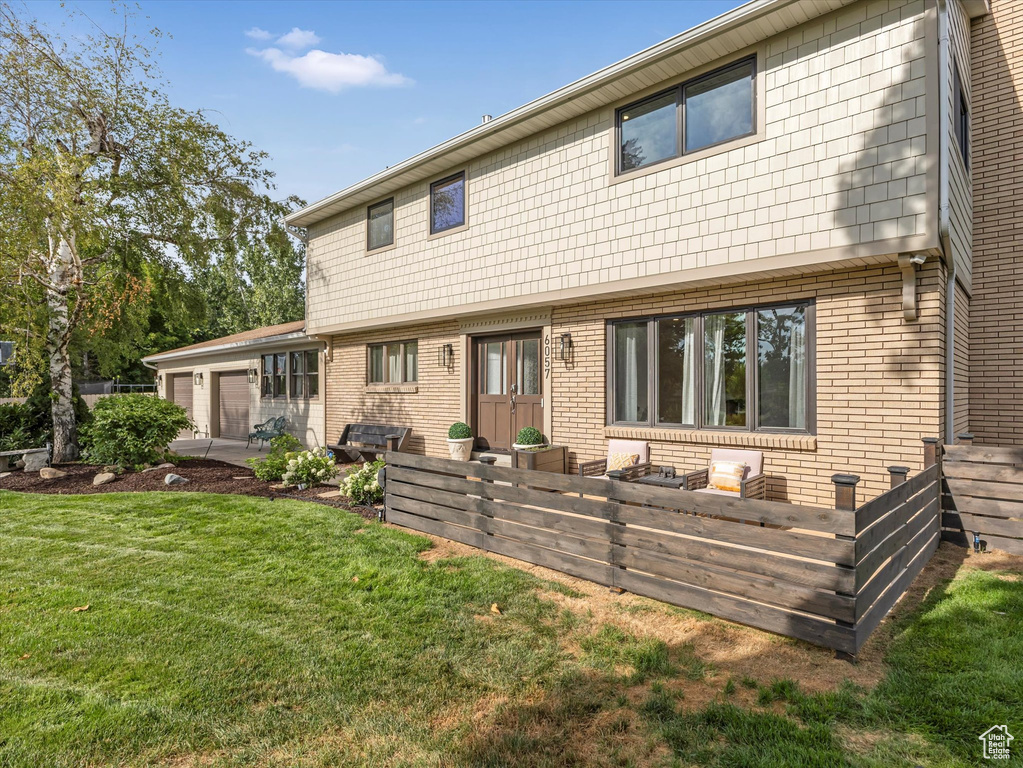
<point>204,476</point>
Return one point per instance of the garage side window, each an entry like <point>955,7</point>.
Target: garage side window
<point>305,382</point>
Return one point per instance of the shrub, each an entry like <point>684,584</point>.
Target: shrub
<point>272,467</point>
<point>38,414</point>
<point>529,436</point>
<point>132,430</point>
<point>459,431</point>
<point>309,467</point>
<point>361,484</point>
<point>14,432</point>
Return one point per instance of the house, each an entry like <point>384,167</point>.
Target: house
<point>229,384</point>
<point>756,233</point>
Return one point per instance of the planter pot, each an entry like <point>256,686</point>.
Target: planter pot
<point>536,447</point>
<point>460,450</point>
<point>548,458</point>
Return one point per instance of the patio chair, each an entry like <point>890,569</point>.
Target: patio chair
<point>630,456</point>
<point>752,484</point>
<point>268,430</point>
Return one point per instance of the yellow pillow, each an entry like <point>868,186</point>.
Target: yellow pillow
<point>621,461</point>
<point>726,475</point>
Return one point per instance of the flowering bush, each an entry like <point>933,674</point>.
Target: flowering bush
<point>309,467</point>
<point>273,466</point>
<point>361,485</point>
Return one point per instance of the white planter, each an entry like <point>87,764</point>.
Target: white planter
<point>460,450</point>
<point>533,447</point>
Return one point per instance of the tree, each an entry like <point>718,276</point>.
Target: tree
<point>99,173</point>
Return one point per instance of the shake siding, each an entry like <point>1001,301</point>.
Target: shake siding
<point>843,162</point>
<point>960,188</point>
<point>996,332</point>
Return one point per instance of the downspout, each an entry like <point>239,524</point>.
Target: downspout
<point>156,372</point>
<point>944,60</point>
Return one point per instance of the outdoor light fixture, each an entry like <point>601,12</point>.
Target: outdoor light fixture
<point>197,378</point>
<point>253,375</point>
<point>445,355</point>
<point>565,346</point>
<point>159,380</point>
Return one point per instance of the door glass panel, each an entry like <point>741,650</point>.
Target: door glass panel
<point>527,374</point>
<point>494,369</point>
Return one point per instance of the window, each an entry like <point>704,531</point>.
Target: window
<point>447,203</point>
<point>6,352</point>
<point>740,369</point>
<point>394,363</point>
<point>275,375</point>
<point>962,121</point>
<point>709,110</point>
<point>305,380</point>
<point>380,225</point>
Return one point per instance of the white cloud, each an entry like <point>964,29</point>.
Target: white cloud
<point>331,72</point>
<point>258,34</point>
<point>298,39</point>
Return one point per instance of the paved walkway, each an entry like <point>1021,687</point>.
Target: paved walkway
<point>222,449</point>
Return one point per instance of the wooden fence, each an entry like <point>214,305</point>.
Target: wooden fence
<point>827,576</point>
<point>984,495</point>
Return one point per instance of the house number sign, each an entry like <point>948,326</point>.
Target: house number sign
<point>546,356</point>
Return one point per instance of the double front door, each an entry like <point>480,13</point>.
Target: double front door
<point>508,381</point>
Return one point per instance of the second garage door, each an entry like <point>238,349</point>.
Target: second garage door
<point>234,404</point>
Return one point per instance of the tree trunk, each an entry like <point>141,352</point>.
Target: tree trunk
<point>58,336</point>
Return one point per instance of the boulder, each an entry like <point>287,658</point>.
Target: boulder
<point>172,479</point>
<point>166,465</point>
<point>35,461</point>
<point>103,478</point>
<point>51,473</point>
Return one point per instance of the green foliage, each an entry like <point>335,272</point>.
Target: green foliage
<point>132,430</point>
<point>612,647</point>
<point>38,413</point>
<point>271,468</point>
<point>361,484</point>
<point>309,467</point>
<point>459,431</point>
<point>529,436</point>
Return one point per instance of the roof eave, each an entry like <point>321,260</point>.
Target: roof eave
<point>234,345</point>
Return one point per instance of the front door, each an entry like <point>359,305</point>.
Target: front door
<point>508,381</point>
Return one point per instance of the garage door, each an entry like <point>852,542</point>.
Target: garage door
<point>181,390</point>
<point>234,404</point>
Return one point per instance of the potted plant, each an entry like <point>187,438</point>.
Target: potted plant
<point>528,439</point>
<point>460,441</point>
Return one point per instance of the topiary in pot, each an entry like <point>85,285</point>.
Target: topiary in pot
<point>528,438</point>
<point>460,441</point>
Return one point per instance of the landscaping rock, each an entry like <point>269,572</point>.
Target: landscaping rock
<point>51,473</point>
<point>35,461</point>
<point>103,478</point>
<point>5,474</point>
<point>166,465</point>
<point>173,479</point>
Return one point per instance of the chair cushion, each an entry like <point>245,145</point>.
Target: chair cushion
<point>752,459</point>
<point>621,461</point>
<point>641,447</point>
<point>726,475</point>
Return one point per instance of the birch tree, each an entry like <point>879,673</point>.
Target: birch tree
<point>95,163</point>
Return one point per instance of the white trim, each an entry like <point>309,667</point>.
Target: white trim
<point>248,343</point>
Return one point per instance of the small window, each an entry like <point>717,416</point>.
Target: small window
<point>709,110</point>
<point>304,374</point>
<point>6,352</point>
<point>380,225</point>
<point>275,375</point>
<point>447,203</point>
<point>962,121</point>
<point>393,363</point>
<point>267,388</point>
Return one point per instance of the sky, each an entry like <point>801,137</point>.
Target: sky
<point>337,91</point>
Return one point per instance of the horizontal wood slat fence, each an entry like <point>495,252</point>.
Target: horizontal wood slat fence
<point>827,576</point>
<point>983,495</point>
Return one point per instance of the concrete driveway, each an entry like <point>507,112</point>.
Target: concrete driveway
<point>220,449</point>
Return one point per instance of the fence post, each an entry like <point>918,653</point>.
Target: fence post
<point>485,495</point>
<point>898,475</point>
<point>930,451</point>
<point>932,455</point>
<point>845,491</point>
<point>965,438</point>
<point>615,476</point>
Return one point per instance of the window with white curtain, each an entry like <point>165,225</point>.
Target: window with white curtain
<point>393,363</point>
<point>749,369</point>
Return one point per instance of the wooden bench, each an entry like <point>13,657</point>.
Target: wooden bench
<point>365,441</point>
<point>5,456</point>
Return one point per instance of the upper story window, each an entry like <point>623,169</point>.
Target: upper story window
<point>396,362</point>
<point>962,119</point>
<point>708,110</point>
<point>380,225</point>
<point>447,203</point>
<point>747,369</point>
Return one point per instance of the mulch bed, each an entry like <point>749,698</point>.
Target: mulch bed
<point>204,476</point>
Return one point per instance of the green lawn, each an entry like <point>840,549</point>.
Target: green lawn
<point>238,631</point>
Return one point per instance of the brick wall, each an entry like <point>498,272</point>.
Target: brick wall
<point>996,332</point>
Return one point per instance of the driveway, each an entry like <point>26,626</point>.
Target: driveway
<point>220,448</point>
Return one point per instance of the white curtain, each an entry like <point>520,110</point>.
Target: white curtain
<point>715,375</point>
<point>689,375</point>
<point>797,373</point>
<point>629,373</point>
<point>394,363</point>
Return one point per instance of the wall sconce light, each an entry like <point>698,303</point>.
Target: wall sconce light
<point>445,355</point>
<point>565,346</point>
<point>159,380</point>
<point>197,378</point>
<point>253,375</point>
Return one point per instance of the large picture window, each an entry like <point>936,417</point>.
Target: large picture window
<point>393,363</point>
<point>447,203</point>
<point>747,369</point>
<point>709,110</point>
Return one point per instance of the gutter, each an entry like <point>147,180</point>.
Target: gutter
<point>252,344</point>
<point>944,216</point>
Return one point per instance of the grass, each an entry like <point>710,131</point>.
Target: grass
<point>234,631</point>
